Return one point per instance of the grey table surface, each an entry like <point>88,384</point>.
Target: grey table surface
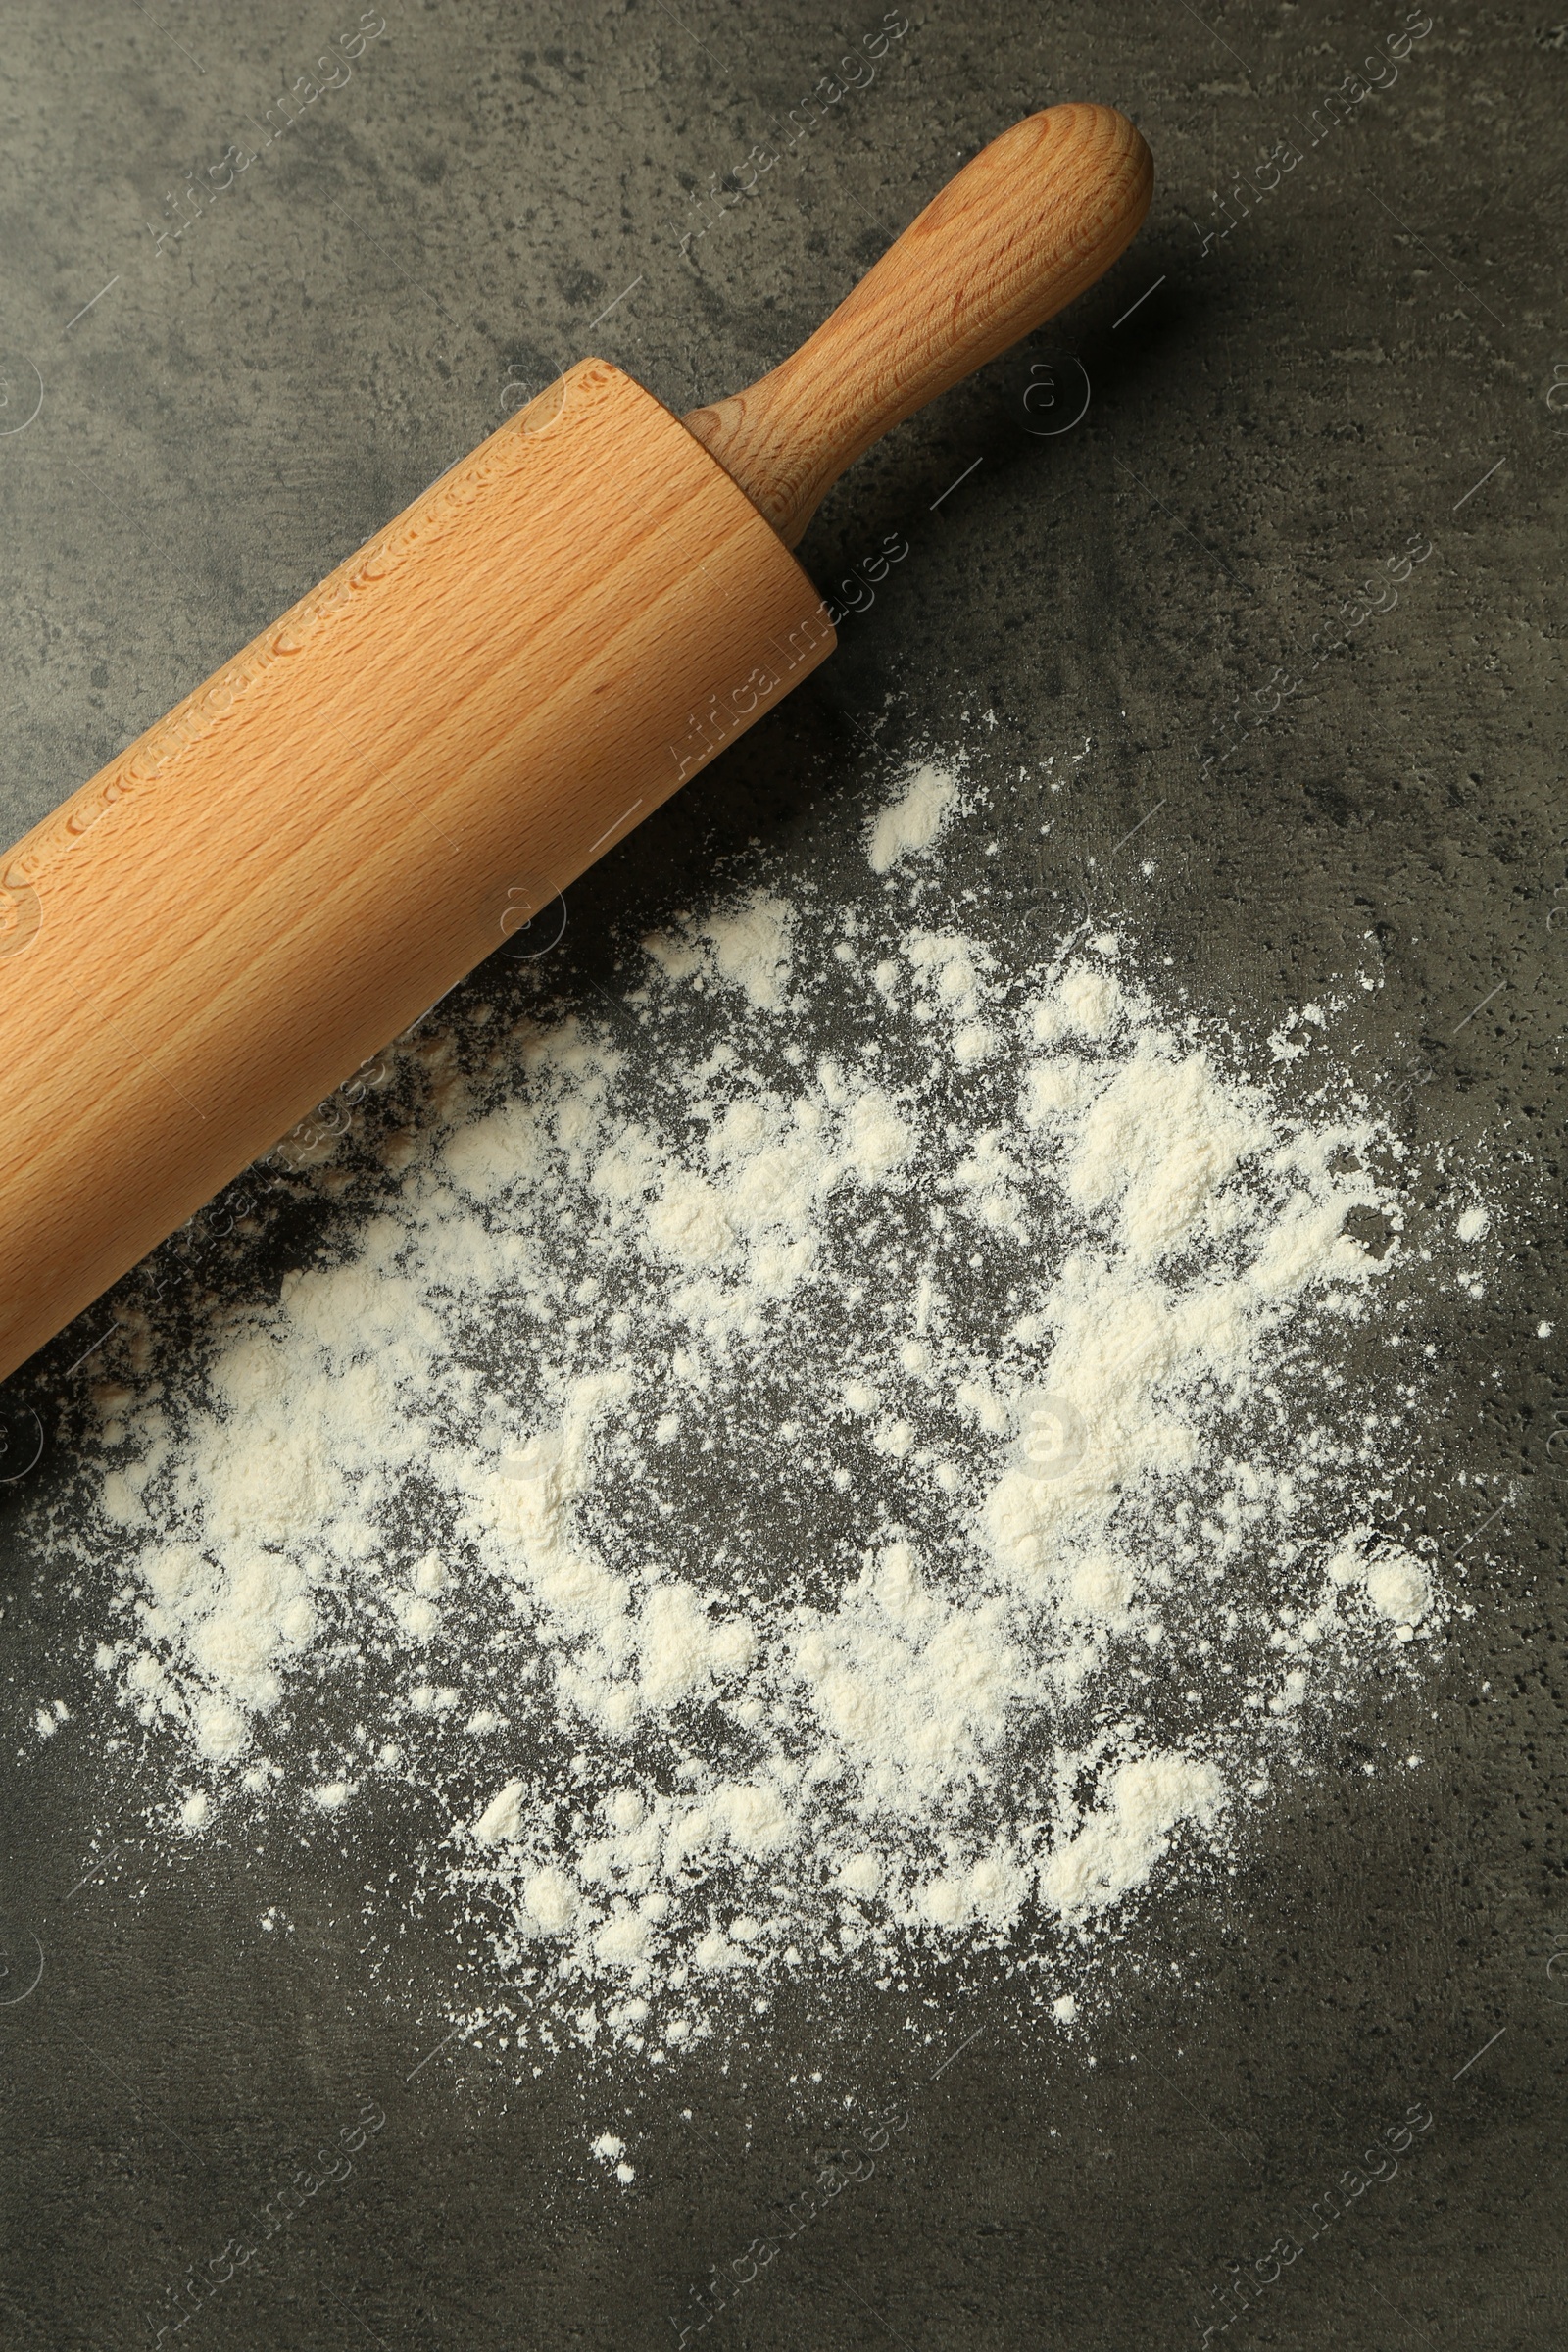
<point>1283,386</point>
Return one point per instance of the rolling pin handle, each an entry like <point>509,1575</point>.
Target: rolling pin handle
<point>1022,232</point>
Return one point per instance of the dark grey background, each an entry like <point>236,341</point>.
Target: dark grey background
<point>1369,354</point>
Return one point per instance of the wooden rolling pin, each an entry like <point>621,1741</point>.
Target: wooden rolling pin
<point>201,944</point>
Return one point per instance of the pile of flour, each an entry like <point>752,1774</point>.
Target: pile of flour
<point>843,1450</point>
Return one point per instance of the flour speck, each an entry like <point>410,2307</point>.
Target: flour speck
<point>908,826</point>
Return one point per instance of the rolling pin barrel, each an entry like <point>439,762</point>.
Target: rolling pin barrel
<point>208,938</point>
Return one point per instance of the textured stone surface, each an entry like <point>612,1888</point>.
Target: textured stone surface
<point>1367,355</point>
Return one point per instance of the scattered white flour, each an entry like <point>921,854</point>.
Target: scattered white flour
<point>856,1448</point>
<point>912,822</point>
<point>747,947</point>
<point>1397,1585</point>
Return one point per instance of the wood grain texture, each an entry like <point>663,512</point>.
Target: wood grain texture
<point>204,942</point>
<point>201,943</point>
<point>1022,230</point>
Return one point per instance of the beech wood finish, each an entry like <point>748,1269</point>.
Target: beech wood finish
<point>203,942</point>
<point>1022,232</point>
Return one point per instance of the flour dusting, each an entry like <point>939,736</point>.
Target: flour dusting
<point>912,822</point>
<point>844,1453</point>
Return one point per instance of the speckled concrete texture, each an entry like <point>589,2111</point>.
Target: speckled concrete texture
<point>241,326</point>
